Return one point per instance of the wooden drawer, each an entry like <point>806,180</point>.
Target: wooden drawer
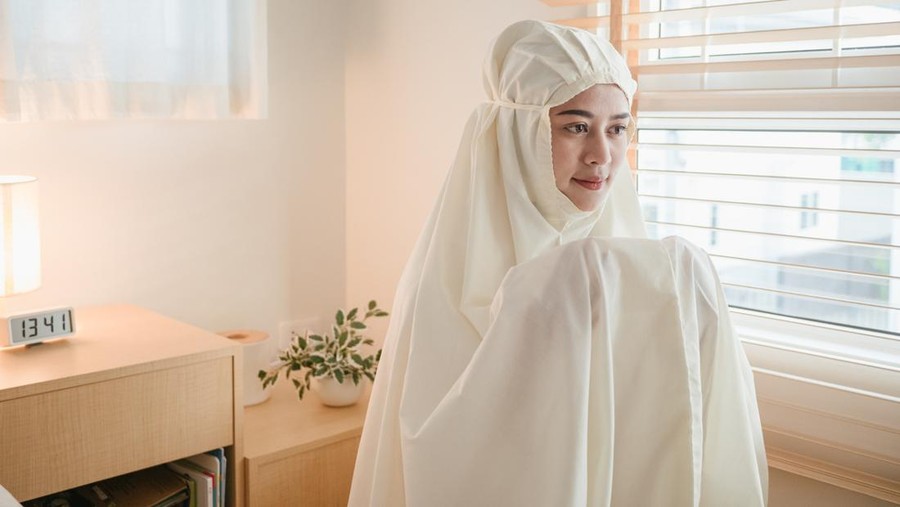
<point>72,436</point>
<point>314,478</point>
<point>300,453</point>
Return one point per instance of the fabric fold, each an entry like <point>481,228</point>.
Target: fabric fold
<point>543,355</point>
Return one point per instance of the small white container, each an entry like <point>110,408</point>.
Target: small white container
<point>257,350</point>
<point>337,394</point>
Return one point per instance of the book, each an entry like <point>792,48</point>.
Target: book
<point>192,488</point>
<point>151,487</point>
<point>69,498</point>
<point>178,500</point>
<point>211,464</point>
<point>147,487</point>
<point>219,454</point>
<point>203,482</point>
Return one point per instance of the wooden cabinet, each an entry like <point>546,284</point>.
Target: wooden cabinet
<point>132,389</point>
<point>300,452</point>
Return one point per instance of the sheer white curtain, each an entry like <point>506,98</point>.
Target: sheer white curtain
<point>100,59</point>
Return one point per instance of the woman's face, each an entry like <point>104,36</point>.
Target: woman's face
<point>589,137</point>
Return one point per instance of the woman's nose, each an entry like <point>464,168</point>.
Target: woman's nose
<point>597,151</point>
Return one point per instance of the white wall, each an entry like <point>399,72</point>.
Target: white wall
<point>218,224</point>
<point>413,78</point>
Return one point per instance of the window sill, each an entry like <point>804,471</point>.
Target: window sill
<point>829,401</point>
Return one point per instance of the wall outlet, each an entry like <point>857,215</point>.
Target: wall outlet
<point>299,326</point>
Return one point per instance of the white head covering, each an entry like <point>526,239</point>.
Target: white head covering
<point>532,67</point>
<point>502,182</point>
<point>499,208</point>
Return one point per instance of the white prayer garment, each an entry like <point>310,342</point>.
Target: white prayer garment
<point>541,355</point>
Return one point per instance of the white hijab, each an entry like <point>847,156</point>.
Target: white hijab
<point>500,206</point>
<point>499,209</point>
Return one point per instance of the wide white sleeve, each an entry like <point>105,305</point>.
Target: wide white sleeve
<point>609,375</point>
<point>734,468</point>
<point>578,394</point>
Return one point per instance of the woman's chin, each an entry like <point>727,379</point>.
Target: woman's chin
<point>592,202</point>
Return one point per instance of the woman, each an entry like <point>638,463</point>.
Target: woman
<point>542,351</point>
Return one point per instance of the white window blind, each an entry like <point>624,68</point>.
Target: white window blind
<point>102,59</point>
<point>769,134</point>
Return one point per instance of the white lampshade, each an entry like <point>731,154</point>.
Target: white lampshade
<point>20,237</point>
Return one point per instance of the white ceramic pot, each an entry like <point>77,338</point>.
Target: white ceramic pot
<point>337,394</point>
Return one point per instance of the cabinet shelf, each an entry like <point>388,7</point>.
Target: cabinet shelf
<point>130,390</point>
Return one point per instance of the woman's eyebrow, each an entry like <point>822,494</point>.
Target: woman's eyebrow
<point>576,112</point>
<point>588,114</point>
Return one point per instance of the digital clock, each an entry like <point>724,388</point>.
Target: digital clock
<point>36,327</point>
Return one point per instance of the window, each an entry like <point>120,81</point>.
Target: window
<point>768,134</point>
<point>792,231</point>
<point>98,59</point>
<point>772,165</point>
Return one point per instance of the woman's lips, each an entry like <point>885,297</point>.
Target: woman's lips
<point>590,184</point>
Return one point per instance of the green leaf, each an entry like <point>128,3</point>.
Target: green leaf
<point>352,314</point>
<point>321,370</point>
<point>381,313</point>
<point>357,325</point>
<point>342,339</point>
<point>368,341</point>
<point>296,383</point>
<point>354,342</point>
<point>339,317</point>
<point>319,347</point>
<point>317,359</point>
<point>372,304</point>
<point>356,378</point>
<point>339,376</point>
<point>358,359</point>
<point>302,342</point>
<point>261,374</point>
<point>315,338</point>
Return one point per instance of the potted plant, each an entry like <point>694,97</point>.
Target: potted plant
<point>334,360</point>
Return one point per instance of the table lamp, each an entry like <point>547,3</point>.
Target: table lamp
<point>20,265</point>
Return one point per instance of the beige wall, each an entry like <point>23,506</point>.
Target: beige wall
<point>215,223</point>
<point>413,78</point>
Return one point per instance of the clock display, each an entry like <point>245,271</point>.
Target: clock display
<point>38,326</point>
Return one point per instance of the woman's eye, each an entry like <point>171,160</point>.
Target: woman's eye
<point>578,128</point>
<point>619,130</point>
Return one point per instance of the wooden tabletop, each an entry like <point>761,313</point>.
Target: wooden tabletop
<point>284,425</point>
<point>107,340</point>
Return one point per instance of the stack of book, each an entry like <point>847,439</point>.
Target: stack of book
<point>197,481</point>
